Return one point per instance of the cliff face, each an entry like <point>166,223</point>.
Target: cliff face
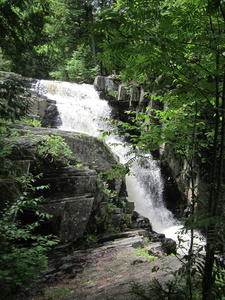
<point>78,199</point>
<point>121,96</point>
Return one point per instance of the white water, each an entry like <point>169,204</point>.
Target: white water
<point>79,106</point>
<point>81,110</point>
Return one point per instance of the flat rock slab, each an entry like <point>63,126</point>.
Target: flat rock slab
<point>108,271</point>
<point>111,272</point>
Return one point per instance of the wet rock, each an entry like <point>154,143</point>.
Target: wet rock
<point>115,219</point>
<point>51,117</point>
<point>107,86</point>
<point>138,261</point>
<point>117,210</point>
<point>138,244</point>
<point>155,250</point>
<point>156,237</point>
<point>169,246</point>
<point>68,268</point>
<point>121,235</point>
<point>130,208</point>
<point>76,194</point>
<point>139,221</point>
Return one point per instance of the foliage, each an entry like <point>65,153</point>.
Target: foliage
<point>8,139</point>
<point>53,151</point>
<point>116,170</point>
<point>56,292</point>
<point>44,37</point>
<point>22,252</point>
<point>22,23</point>
<point>175,49</point>
<point>79,67</point>
<point>32,122</point>
<point>157,291</point>
<point>109,196</point>
<point>14,105</point>
<point>5,65</point>
<point>14,97</point>
<point>90,238</point>
<point>72,44</point>
<point>144,252</point>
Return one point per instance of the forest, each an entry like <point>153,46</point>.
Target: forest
<point>175,49</point>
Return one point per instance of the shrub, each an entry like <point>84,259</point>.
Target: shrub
<point>54,152</point>
<point>23,254</point>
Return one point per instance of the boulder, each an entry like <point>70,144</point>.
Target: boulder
<point>155,249</point>
<point>169,246</point>
<point>139,221</point>
<point>44,110</point>
<point>71,216</point>
<point>110,88</point>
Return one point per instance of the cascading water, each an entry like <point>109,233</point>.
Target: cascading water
<point>145,189</point>
<point>79,106</point>
<point>82,110</point>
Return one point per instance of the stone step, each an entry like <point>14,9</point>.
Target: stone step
<point>122,235</point>
<point>68,199</point>
<point>135,242</point>
<point>68,172</point>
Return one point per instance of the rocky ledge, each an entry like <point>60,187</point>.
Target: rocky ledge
<point>106,270</point>
<point>77,198</point>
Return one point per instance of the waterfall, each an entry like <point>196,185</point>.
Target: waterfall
<point>79,105</point>
<point>82,110</point>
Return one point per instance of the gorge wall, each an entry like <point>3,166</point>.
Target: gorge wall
<point>80,201</point>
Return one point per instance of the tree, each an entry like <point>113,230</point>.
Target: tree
<point>22,24</point>
<point>176,50</point>
<point>74,43</point>
<point>69,31</point>
<point>41,38</point>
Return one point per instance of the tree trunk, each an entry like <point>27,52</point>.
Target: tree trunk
<point>89,14</point>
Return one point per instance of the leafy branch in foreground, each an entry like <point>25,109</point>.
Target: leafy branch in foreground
<point>23,252</point>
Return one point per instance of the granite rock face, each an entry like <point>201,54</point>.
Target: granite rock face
<point>71,216</point>
<point>121,96</point>
<point>45,111</point>
<point>77,188</point>
<point>76,195</point>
